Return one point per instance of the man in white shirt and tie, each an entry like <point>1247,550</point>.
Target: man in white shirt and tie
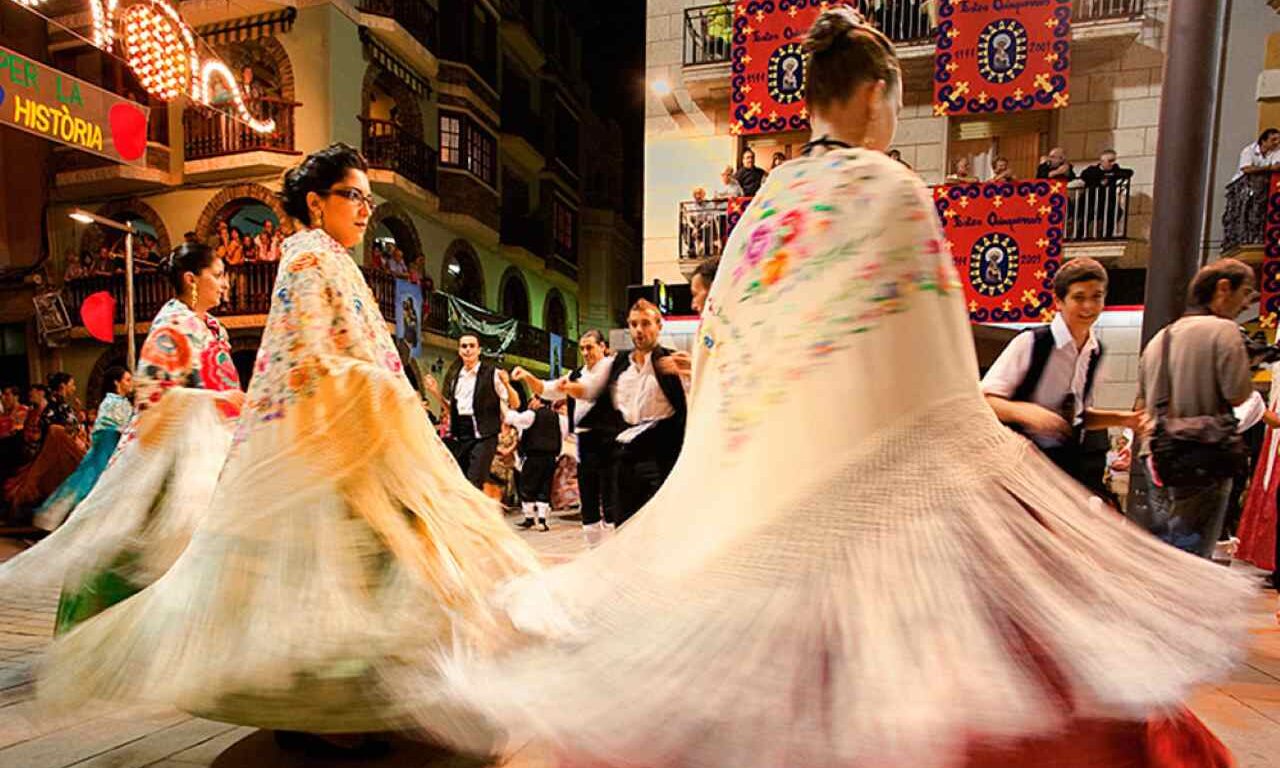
<point>477,394</point>
<point>597,480</point>
<point>641,396</point>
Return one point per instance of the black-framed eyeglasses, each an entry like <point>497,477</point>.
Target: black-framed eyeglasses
<point>354,195</point>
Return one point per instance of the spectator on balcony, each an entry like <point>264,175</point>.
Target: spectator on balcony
<point>377,257</point>
<point>222,247</point>
<point>778,159</point>
<point>105,263</point>
<point>749,176</point>
<point>79,267</point>
<point>1000,170</point>
<point>1103,205</point>
<point>1261,156</point>
<point>1055,166</point>
<point>701,226</point>
<point>396,264</point>
<point>233,254</point>
<point>250,87</point>
<point>249,247</point>
<point>268,242</point>
<point>962,172</point>
<point>728,187</point>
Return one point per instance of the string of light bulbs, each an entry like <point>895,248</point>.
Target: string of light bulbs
<point>161,50</point>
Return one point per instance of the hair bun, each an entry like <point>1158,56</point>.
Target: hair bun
<point>831,27</point>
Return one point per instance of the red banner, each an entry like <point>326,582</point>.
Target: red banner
<point>1006,240</point>
<point>768,65</point>
<point>1269,291</point>
<point>1001,57</point>
<point>737,207</point>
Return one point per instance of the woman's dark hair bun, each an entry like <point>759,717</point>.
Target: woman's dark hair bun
<point>831,27</point>
<point>317,172</point>
<point>188,257</point>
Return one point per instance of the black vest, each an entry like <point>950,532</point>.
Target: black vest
<point>604,415</point>
<point>543,438</point>
<point>572,407</point>
<point>488,413</point>
<point>1041,349</point>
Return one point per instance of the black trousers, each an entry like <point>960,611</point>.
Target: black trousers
<point>643,466</point>
<point>536,476</point>
<point>597,478</point>
<point>475,457</point>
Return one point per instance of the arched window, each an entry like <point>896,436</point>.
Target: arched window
<point>462,275</point>
<point>394,247</point>
<point>556,316</point>
<point>515,296</point>
<point>245,230</point>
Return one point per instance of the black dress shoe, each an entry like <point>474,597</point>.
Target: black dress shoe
<point>543,526</point>
<point>527,523</point>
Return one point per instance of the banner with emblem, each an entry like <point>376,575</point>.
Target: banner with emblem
<point>768,65</point>
<point>995,56</point>
<point>1269,290</point>
<point>1006,241</point>
<point>733,213</point>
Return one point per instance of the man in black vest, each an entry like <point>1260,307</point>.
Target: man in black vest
<point>1042,384</point>
<point>597,478</point>
<point>540,441</point>
<point>476,393</point>
<point>641,396</point>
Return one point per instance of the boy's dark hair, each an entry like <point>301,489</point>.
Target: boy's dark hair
<point>1078,270</point>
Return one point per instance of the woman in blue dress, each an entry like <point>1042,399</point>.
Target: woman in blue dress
<point>114,413</point>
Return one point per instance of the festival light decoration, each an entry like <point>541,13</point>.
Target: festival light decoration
<point>161,50</point>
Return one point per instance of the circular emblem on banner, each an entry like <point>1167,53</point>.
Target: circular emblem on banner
<point>993,264</point>
<point>1002,50</point>
<point>786,74</point>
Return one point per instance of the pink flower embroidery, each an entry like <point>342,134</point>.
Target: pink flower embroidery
<point>761,237</point>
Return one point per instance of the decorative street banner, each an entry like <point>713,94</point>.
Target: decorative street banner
<point>48,103</point>
<point>1269,298</point>
<point>768,65</point>
<point>737,207</point>
<point>557,355</point>
<point>1006,240</point>
<point>1001,56</point>
<point>409,315</point>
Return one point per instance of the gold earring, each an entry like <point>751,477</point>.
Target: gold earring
<point>195,294</point>
<point>317,217</point>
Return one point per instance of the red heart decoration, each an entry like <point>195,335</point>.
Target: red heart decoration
<point>128,130</point>
<point>98,313</point>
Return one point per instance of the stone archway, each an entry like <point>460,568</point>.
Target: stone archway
<point>396,219</point>
<point>95,236</point>
<point>467,282</point>
<point>513,295</point>
<point>209,216</point>
<point>262,53</point>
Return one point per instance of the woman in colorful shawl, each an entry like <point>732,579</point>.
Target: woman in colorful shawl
<point>139,516</point>
<point>853,564</point>
<point>342,541</point>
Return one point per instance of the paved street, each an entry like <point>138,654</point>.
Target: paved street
<point>1245,711</point>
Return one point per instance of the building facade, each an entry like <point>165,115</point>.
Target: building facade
<point>472,115</point>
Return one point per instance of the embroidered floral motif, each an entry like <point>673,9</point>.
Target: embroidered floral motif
<point>840,244</point>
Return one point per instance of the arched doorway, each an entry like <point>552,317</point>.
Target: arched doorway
<point>105,247</point>
<point>462,275</point>
<point>555,316</point>
<point>392,243</point>
<point>514,296</point>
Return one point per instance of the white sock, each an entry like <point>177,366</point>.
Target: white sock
<point>527,507</point>
<point>594,534</point>
<point>543,509</point>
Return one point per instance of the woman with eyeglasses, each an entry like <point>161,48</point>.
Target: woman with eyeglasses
<point>854,564</point>
<point>342,541</point>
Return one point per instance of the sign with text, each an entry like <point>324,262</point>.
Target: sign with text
<point>61,108</point>
<point>768,65</point>
<point>1001,56</point>
<point>1006,241</point>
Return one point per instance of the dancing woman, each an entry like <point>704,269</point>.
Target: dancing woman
<point>342,540</point>
<point>922,588</point>
<point>139,515</point>
<point>114,413</point>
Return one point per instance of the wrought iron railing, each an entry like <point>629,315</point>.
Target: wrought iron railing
<point>1098,211</point>
<point>417,18</point>
<point>1106,10</point>
<point>704,226</point>
<point>388,146</point>
<point>903,21</point>
<point>708,34</point>
<point>213,132</point>
<point>1244,216</point>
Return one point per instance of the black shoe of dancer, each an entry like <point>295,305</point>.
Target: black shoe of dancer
<point>526,523</point>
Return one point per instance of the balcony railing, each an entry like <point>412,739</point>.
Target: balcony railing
<point>417,18</point>
<point>387,146</point>
<point>214,133</point>
<point>250,291</point>
<point>903,21</point>
<point>704,227</point>
<point>708,34</point>
<point>1106,10</point>
<point>1244,217</point>
<point>1098,212</point>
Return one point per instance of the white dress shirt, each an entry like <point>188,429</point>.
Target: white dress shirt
<point>1250,412</point>
<point>464,392</point>
<point>1065,372</point>
<point>1252,156</point>
<point>551,390</point>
